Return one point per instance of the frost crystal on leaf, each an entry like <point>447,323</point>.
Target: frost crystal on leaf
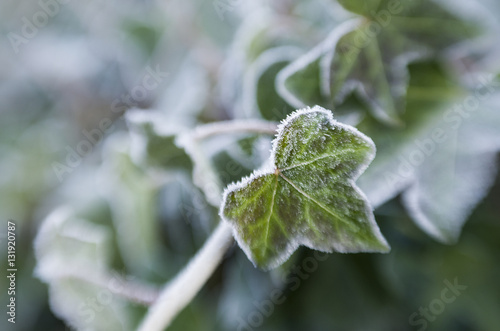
<point>307,196</point>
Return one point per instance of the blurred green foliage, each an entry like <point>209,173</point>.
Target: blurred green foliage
<point>128,212</point>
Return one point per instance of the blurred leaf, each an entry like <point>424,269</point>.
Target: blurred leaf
<point>223,161</point>
<point>71,254</point>
<point>309,196</point>
<point>186,96</point>
<point>443,161</point>
<point>132,196</point>
<point>144,35</point>
<point>370,56</point>
<point>153,144</point>
<point>240,157</point>
<point>361,7</point>
<point>260,33</point>
<point>260,92</point>
<point>186,215</point>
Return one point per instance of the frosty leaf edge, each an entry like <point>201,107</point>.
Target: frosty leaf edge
<point>291,202</point>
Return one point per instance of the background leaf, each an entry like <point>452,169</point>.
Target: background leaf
<point>370,56</point>
<point>449,135</point>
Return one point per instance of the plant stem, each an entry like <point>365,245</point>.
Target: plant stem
<point>181,290</point>
<point>124,287</point>
<point>235,126</point>
<point>204,176</point>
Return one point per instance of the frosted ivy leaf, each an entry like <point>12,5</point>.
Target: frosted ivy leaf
<point>131,195</point>
<point>260,95</point>
<point>153,141</point>
<point>66,248</point>
<point>369,56</point>
<point>308,196</point>
<point>247,64</point>
<point>443,163</point>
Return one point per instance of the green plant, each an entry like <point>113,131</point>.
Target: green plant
<point>391,80</point>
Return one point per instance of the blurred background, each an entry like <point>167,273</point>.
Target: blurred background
<point>106,211</point>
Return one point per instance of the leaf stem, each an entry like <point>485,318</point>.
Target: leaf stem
<point>122,286</point>
<point>234,126</point>
<point>181,290</point>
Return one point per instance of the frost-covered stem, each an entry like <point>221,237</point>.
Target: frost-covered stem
<point>181,290</point>
<point>131,290</point>
<point>235,126</point>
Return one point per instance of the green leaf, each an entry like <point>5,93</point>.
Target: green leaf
<point>72,254</point>
<point>362,7</point>
<point>443,161</point>
<point>369,56</point>
<point>263,42</point>
<point>308,196</point>
<point>260,94</point>
<point>131,196</point>
<point>154,143</point>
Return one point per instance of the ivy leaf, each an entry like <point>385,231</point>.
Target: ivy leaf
<point>369,56</point>
<point>308,196</point>
<point>361,7</point>
<point>443,162</point>
<point>260,95</point>
<point>153,142</point>
<point>265,41</point>
<point>67,246</point>
<point>131,197</point>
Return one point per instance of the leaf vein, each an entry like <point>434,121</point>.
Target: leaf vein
<point>272,208</point>
<point>316,201</point>
<point>345,151</point>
